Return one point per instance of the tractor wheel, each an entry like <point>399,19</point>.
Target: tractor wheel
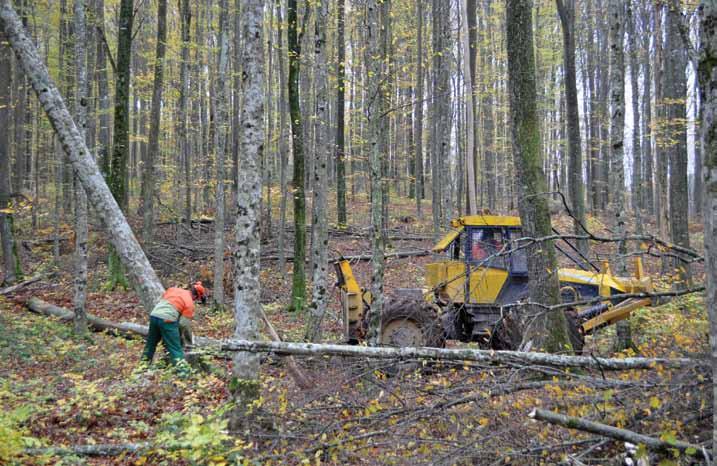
<point>410,322</point>
<point>577,339</point>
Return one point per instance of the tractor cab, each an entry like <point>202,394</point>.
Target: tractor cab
<point>478,247</point>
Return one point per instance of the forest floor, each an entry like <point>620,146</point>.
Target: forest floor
<point>60,390</point>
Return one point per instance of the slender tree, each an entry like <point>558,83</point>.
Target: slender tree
<point>566,10</point>
<point>149,181</point>
<point>221,121</point>
<point>418,132</point>
<point>468,76</point>
<point>548,331</point>
<point>81,231</point>
<point>298,289</point>
<point>120,142</point>
<point>340,113</point>
<point>184,143</point>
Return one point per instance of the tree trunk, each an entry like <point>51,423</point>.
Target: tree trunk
<point>144,279</point>
<point>636,182</point>
<point>102,93</point>
<point>283,109</point>
<point>675,96</point>
<point>708,97</point>
<point>81,231</point>
<point>247,289</point>
<point>647,173</point>
<point>148,171</point>
<point>547,331</point>
<point>418,132</point>
<point>375,68</point>
<point>298,289</point>
<point>186,19</point>
<point>221,121</point>
<point>6,219</point>
<point>340,113</point>
<point>120,142</point>
<point>320,237</point>
<point>468,75</point>
<point>566,10</point>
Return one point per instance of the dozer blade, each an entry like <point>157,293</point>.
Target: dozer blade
<point>615,313</point>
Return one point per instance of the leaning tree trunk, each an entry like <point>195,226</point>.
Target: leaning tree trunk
<point>319,243</point>
<point>148,175</point>
<point>247,291</point>
<point>81,233</point>
<point>144,279</point>
<point>708,97</point>
<point>221,120</point>
<point>548,331</point>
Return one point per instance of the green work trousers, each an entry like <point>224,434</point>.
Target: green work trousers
<point>168,333</point>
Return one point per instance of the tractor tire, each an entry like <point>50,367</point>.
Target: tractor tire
<point>408,321</point>
<point>577,339</point>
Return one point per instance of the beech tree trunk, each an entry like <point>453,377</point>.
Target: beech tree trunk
<point>708,97</point>
<point>548,331</point>
<point>144,279</point>
<point>247,289</point>
<point>320,237</point>
<point>221,122</point>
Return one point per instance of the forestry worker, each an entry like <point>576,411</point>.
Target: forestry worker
<point>170,316</point>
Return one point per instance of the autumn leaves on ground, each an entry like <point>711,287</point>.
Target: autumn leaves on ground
<point>60,390</point>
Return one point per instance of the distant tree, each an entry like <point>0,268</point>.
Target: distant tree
<point>418,132</point>
<point>184,143</point>
<point>548,331</point>
<point>298,289</point>
<point>117,179</point>
<point>340,111</point>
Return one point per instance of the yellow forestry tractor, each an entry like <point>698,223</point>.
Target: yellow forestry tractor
<point>482,273</point>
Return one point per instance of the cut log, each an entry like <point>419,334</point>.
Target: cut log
<point>438,354</point>
<point>616,433</point>
<point>462,354</point>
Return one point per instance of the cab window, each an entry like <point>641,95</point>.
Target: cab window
<point>484,244</point>
<point>519,257</point>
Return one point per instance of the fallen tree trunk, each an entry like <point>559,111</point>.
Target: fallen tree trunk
<point>90,450</point>
<point>291,366</point>
<point>374,352</point>
<point>143,277</point>
<point>618,434</point>
<point>21,285</point>
<point>460,354</point>
<point>359,257</point>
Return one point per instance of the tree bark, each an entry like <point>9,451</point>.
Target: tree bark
<point>247,289</point>
<point>676,123</point>
<point>298,289</point>
<point>468,75</point>
<point>707,75</point>
<point>6,218</point>
<point>418,132</point>
<point>340,113</point>
<point>636,181</point>
<point>144,279</point>
<point>221,122</point>
<point>566,10</point>
<point>184,144</point>
<point>548,331</point>
<point>81,230</point>
<point>320,236</point>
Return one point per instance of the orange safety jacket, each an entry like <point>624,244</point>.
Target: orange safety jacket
<point>181,300</point>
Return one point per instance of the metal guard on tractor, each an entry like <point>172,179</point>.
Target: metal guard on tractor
<point>478,275</point>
